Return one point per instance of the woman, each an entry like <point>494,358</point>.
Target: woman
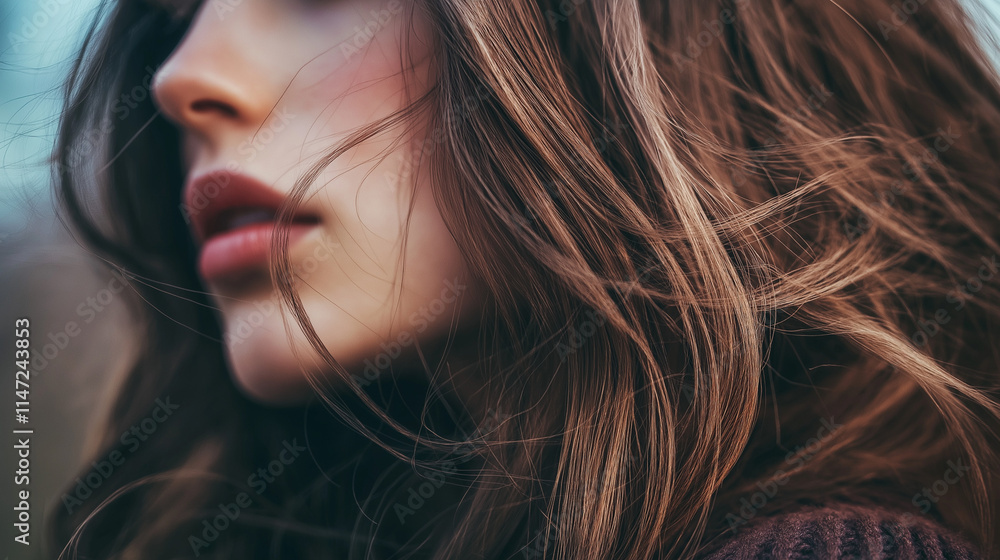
<point>543,279</point>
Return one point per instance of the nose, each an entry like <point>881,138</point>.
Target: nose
<point>209,84</point>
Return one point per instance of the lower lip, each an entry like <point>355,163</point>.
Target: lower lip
<point>242,250</point>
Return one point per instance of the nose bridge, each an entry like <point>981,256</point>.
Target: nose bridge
<point>209,82</point>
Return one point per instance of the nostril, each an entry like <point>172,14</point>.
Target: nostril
<point>210,105</point>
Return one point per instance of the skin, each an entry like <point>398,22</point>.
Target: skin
<point>303,71</point>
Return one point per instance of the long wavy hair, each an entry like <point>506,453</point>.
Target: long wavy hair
<point>721,240</point>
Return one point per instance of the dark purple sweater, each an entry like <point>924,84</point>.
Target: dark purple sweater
<point>845,532</point>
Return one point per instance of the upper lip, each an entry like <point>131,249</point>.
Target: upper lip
<point>214,199</point>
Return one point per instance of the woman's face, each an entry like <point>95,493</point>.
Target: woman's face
<point>261,89</point>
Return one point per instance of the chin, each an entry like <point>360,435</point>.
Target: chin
<point>267,373</point>
<point>262,361</point>
<point>270,358</point>
<point>271,368</point>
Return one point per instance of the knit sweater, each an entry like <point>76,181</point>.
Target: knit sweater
<point>845,532</point>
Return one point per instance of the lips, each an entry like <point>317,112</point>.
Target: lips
<point>233,217</point>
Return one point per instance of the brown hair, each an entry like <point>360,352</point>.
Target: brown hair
<point>721,240</point>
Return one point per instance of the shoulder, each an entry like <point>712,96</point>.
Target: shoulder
<point>844,532</point>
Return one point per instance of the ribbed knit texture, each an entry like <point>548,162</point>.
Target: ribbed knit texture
<point>846,532</point>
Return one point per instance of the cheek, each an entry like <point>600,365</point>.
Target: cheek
<point>370,70</point>
<point>431,254</point>
<point>396,256</point>
<point>399,279</point>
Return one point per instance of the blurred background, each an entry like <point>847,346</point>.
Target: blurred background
<point>45,275</point>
